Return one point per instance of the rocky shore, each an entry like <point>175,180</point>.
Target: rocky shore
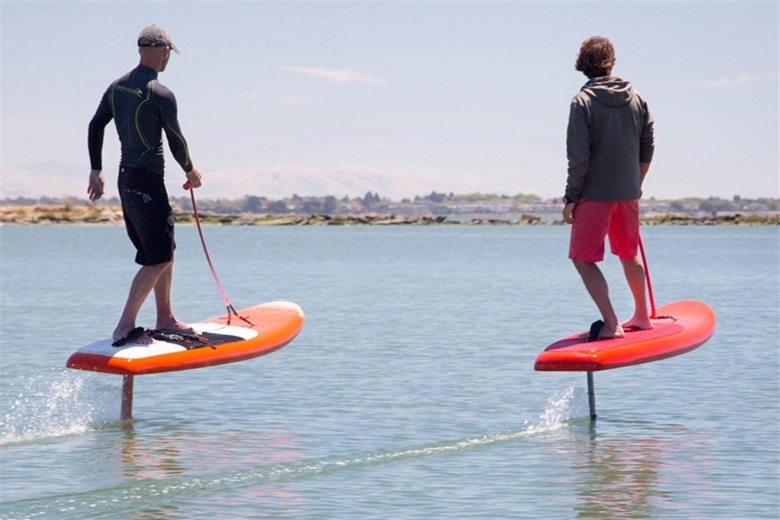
<point>86,215</point>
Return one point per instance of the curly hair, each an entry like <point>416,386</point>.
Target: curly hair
<point>596,57</point>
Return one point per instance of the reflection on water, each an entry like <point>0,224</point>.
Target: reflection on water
<point>618,478</point>
<point>152,451</point>
<point>160,459</point>
<point>640,476</point>
<point>163,453</point>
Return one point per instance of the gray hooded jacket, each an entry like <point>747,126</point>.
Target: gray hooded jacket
<point>610,132</point>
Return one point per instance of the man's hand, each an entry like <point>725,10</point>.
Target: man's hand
<point>194,179</point>
<point>96,185</point>
<point>568,212</point>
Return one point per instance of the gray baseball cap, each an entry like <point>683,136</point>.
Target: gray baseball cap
<point>154,36</point>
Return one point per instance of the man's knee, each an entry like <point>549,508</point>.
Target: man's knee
<point>581,263</point>
<point>159,267</point>
<point>634,260</point>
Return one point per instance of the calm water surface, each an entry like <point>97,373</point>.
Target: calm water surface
<point>409,394</point>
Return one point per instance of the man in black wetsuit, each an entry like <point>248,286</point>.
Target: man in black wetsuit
<point>142,109</point>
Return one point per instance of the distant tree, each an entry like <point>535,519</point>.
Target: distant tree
<point>329,205</point>
<point>253,204</point>
<point>707,206</point>
<point>311,205</point>
<point>522,198</point>
<point>436,197</point>
<point>475,197</point>
<point>714,204</point>
<point>277,206</point>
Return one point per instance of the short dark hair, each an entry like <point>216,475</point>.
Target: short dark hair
<point>596,57</point>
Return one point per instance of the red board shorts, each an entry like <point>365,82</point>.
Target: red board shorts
<point>595,220</point>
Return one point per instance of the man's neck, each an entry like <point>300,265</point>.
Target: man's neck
<point>154,65</point>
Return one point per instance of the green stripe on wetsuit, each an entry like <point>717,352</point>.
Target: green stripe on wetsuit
<point>142,109</point>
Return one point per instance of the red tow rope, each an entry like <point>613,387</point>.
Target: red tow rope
<point>647,278</point>
<point>228,305</point>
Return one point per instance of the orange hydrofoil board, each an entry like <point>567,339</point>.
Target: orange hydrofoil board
<point>264,328</point>
<point>678,328</point>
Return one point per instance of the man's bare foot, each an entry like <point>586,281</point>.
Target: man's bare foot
<point>600,330</point>
<point>638,323</point>
<point>134,335</point>
<point>175,325</point>
<point>607,332</point>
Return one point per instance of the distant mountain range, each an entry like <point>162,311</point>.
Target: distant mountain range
<point>59,181</point>
<point>62,180</point>
<point>285,181</point>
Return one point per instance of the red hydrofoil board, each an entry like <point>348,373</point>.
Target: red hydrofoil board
<point>679,328</point>
<point>272,326</point>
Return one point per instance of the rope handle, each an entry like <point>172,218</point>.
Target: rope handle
<point>647,279</point>
<point>230,309</point>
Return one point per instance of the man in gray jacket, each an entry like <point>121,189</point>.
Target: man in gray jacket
<point>609,148</point>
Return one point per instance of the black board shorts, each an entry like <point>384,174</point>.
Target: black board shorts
<point>148,215</point>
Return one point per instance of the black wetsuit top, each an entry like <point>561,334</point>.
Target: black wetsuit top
<point>142,108</point>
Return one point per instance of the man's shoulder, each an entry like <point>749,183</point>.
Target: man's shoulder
<point>639,97</point>
<point>580,101</point>
<point>161,91</point>
<point>123,79</point>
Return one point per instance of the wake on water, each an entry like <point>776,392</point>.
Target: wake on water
<point>72,403</point>
<point>69,403</point>
<point>54,405</point>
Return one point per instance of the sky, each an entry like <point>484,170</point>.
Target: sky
<point>396,98</point>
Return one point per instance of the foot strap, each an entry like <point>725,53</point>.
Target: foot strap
<point>129,337</point>
<point>595,330</point>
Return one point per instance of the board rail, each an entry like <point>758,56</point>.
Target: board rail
<point>680,327</point>
<point>274,325</point>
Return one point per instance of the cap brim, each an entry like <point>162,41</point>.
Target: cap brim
<point>175,48</point>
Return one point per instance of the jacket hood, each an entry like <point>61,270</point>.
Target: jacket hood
<point>610,90</point>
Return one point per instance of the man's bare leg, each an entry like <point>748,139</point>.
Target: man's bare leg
<point>162,295</point>
<point>635,276</point>
<point>598,289</point>
<point>143,283</point>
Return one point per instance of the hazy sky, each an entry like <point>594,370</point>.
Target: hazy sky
<point>402,98</point>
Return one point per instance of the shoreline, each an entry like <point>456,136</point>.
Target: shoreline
<point>112,215</point>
